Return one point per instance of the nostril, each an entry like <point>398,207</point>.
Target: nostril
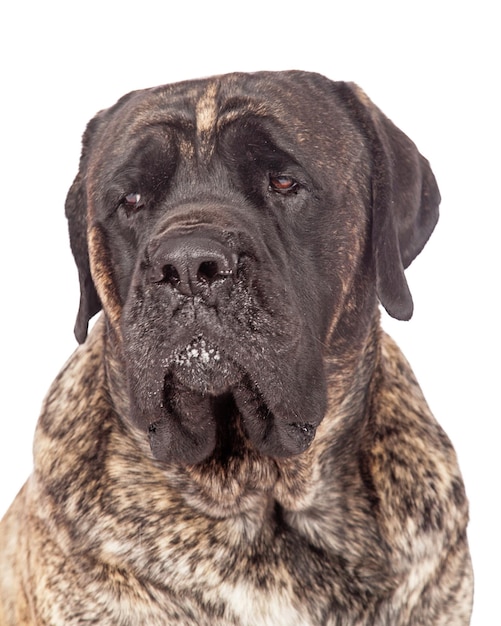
<point>171,275</point>
<point>209,271</point>
<point>190,264</point>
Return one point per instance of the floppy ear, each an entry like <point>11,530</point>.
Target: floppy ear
<point>76,213</point>
<point>405,201</point>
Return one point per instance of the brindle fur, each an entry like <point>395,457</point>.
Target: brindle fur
<point>365,524</point>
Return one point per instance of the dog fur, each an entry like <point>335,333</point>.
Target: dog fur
<point>237,441</point>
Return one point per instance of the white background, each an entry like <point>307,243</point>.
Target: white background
<point>433,67</point>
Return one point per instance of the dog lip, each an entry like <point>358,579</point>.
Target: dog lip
<point>199,350</point>
<point>203,367</point>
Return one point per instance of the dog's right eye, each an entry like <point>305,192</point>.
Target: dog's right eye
<point>132,201</point>
<point>283,184</point>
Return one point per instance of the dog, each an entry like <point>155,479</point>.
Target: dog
<point>237,441</point>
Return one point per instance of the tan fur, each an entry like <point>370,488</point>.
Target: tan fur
<point>147,531</point>
<point>103,277</point>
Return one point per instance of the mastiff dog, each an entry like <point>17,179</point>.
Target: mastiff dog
<point>237,441</point>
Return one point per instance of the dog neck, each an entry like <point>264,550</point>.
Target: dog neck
<point>247,494</point>
<point>238,479</point>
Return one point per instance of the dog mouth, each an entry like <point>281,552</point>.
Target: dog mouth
<point>211,406</point>
<point>203,367</point>
<point>236,374</point>
<point>199,405</point>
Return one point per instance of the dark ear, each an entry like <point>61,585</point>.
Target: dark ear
<point>405,201</point>
<point>76,213</point>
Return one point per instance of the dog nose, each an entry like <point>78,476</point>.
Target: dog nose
<point>191,263</point>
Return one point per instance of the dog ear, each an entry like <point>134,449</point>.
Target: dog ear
<point>405,200</point>
<point>76,213</point>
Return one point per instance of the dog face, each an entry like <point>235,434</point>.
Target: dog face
<point>237,232</point>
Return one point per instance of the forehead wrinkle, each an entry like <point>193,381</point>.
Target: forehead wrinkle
<point>207,110</point>
<point>206,115</point>
<point>214,110</point>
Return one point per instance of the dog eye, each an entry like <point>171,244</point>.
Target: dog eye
<point>283,184</point>
<point>133,201</point>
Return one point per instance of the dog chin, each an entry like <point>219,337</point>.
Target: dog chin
<point>202,367</point>
<point>197,400</point>
<point>189,413</point>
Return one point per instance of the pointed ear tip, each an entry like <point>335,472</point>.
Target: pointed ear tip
<point>90,304</point>
<point>401,311</point>
<point>81,327</point>
<point>394,294</point>
<point>80,332</point>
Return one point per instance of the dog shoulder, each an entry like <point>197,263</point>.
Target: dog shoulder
<point>414,463</point>
<point>422,506</point>
<point>14,607</point>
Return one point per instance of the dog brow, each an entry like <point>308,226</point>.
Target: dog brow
<point>206,118</point>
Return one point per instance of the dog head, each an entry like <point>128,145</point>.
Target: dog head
<point>236,231</point>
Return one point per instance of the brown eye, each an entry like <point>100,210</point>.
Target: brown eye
<point>133,201</point>
<point>283,184</point>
